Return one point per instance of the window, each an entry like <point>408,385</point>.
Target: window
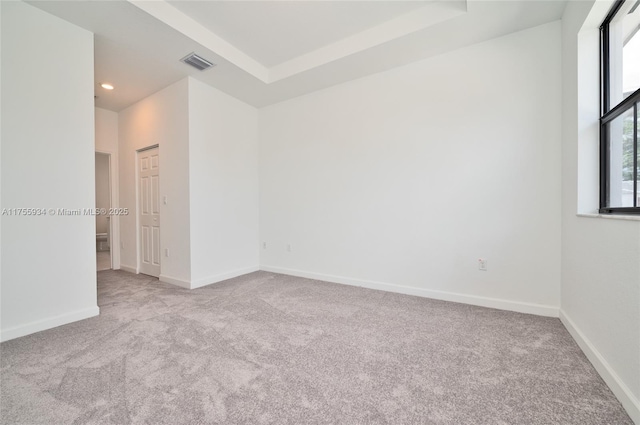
<point>620,98</point>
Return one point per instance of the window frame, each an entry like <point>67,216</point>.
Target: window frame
<point>608,114</point>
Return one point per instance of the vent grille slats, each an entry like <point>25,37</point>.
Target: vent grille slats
<point>197,62</point>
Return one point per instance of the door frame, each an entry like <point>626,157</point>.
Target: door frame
<point>114,222</point>
<point>137,209</point>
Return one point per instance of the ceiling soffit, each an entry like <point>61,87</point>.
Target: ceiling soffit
<point>427,15</point>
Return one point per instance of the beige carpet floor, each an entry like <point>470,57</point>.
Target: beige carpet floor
<point>273,349</point>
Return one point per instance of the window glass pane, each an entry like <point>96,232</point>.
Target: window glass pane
<point>638,156</point>
<point>621,155</point>
<point>624,53</point>
<point>631,62</point>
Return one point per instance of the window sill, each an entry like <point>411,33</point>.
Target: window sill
<point>611,216</point>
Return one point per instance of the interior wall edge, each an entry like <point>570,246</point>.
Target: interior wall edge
<point>210,280</point>
<point>49,323</point>
<point>175,281</point>
<point>127,268</point>
<point>630,403</point>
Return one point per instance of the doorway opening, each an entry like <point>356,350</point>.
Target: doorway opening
<point>103,203</point>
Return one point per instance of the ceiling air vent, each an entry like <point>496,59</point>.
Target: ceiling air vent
<point>197,62</point>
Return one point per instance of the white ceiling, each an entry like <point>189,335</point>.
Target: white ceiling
<point>276,31</point>
<point>269,51</point>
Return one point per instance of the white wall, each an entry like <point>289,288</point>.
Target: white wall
<point>107,142</point>
<point>106,131</point>
<point>48,262</point>
<point>209,175</point>
<point>223,185</point>
<point>600,257</point>
<point>1,203</point>
<point>160,119</point>
<point>409,176</point>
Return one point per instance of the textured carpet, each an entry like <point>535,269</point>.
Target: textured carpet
<point>268,348</point>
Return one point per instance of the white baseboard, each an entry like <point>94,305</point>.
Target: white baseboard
<point>198,283</point>
<point>175,281</point>
<point>129,269</point>
<point>222,276</point>
<point>517,306</point>
<point>630,403</point>
<point>44,324</point>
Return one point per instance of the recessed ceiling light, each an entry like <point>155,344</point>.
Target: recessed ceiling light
<point>106,86</point>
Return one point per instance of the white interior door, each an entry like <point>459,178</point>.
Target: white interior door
<point>149,211</point>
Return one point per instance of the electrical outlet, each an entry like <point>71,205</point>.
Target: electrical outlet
<point>264,245</point>
<point>482,264</point>
<point>166,252</point>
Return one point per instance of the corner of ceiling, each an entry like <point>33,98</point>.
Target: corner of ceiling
<point>417,20</point>
<point>398,27</point>
<point>184,24</point>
